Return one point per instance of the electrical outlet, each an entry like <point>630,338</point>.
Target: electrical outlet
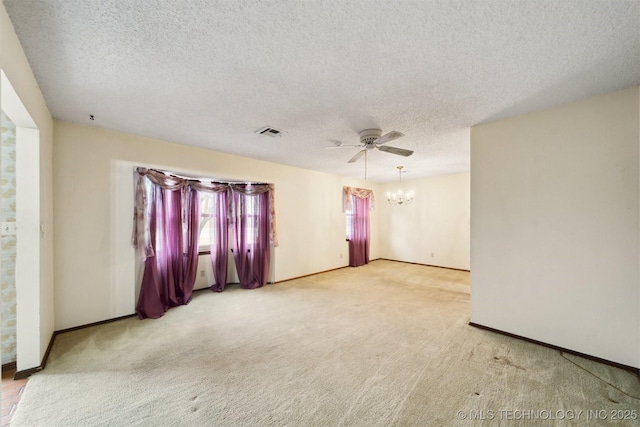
<point>201,273</point>
<point>431,254</point>
<point>8,228</point>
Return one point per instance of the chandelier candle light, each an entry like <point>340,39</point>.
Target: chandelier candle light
<point>400,197</point>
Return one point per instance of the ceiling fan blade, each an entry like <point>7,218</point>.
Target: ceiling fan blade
<point>330,147</point>
<point>395,150</point>
<point>394,134</point>
<point>357,156</point>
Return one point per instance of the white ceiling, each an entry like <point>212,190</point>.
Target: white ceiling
<point>210,73</point>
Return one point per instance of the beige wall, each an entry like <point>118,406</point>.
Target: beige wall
<point>555,228</point>
<point>93,189</point>
<point>36,319</point>
<point>434,228</point>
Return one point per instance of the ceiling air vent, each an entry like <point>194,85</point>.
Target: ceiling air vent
<point>269,131</point>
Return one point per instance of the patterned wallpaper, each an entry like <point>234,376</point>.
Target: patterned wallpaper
<point>8,243</point>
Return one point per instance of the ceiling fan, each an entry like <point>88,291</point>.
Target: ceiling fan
<point>373,138</point>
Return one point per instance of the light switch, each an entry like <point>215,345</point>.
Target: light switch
<point>8,228</point>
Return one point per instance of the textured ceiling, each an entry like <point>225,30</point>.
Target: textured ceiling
<point>211,73</point>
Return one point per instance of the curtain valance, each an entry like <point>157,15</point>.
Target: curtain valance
<point>361,193</point>
<point>166,181</point>
<point>208,186</point>
<point>141,235</point>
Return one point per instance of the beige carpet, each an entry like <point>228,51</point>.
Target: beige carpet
<point>382,345</point>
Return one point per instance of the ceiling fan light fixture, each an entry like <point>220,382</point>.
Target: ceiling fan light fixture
<point>368,136</point>
<point>371,139</point>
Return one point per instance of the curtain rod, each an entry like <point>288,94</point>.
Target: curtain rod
<point>216,181</point>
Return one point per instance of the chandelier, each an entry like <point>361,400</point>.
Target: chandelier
<point>400,197</point>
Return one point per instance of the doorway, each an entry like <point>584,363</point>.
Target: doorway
<point>22,223</point>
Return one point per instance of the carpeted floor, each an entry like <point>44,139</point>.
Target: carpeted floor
<point>386,344</point>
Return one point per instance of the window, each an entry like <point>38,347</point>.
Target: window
<point>204,235</point>
<point>208,231</point>
<point>251,207</point>
<point>359,200</point>
<point>350,214</point>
